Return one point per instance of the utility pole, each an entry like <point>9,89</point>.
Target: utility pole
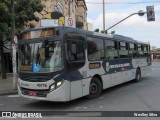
<point>14,65</point>
<point>103,15</point>
<point>69,8</point>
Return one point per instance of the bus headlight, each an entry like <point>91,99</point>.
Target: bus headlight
<point>58,84</point>
<point>55,85</point>
<point>52,87</point>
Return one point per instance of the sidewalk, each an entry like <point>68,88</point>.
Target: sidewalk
<point>6,87</point>
<point>156,60</point>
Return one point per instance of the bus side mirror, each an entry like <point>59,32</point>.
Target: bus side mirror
<point>73,48</point>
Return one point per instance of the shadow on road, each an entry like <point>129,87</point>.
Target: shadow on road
<point>49,105</point>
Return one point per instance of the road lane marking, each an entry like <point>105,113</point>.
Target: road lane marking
<point>155,65</point>
<point>78,108</point>
<point>155,68</point>
<point>13,96</point>
<point>101,97</point>
<point>101,107</point>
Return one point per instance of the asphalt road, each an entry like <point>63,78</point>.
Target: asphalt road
<point>130,96</point>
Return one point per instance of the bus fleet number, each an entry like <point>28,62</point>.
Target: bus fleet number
<point>41,85</point>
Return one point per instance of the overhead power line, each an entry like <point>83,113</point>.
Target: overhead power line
<point>124,2</point>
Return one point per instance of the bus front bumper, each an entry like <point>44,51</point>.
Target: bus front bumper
<point>61,94</point>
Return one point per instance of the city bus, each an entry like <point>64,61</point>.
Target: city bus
<point>63,63</point>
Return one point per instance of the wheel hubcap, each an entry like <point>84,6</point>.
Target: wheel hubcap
<point>93,88</point>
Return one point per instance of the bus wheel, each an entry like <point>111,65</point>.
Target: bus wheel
<point>95,88</point>
<point>138,75</point>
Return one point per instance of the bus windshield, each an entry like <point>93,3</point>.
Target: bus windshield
<point>40,56</point>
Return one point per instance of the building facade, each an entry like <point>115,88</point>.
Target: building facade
<point>90,27</point>
<point>59,10</point>
<point>155,54</point>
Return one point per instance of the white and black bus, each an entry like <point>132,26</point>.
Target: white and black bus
<point>63,63</point>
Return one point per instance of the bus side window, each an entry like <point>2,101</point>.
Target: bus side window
<point>131,50</point>
<point>75,51</point>
<point>123,50</point>
<point>74,48</point>
<point>95,48</point>
<point>111,49</point>
<point>146,50</point>
<point>70,54</point>
<point>140,50</point>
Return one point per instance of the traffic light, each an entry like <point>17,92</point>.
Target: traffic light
<point>150,13</point>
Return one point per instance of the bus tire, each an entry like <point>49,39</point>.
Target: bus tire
<point>95,88</point>
<point>138,75</point>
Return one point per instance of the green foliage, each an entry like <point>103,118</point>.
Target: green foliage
<point>112,32</point>
<point>102,31</point>
<point>24,12</point>
<point>4,19</point>
<point>96,30</point>
<point>105,32</point>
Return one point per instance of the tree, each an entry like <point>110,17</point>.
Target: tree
<point>4,31</point>
<point>112,32</point>
<point>24,12</point>
<point>96,30</point>
<point>105,32</point>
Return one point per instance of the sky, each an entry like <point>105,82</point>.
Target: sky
<point>136,27</point>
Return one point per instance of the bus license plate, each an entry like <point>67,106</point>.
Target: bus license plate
<point>31,93</point>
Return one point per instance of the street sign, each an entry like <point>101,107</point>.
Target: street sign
<point>150,13</point>
<point>70,21</point>
<point>49,22</point>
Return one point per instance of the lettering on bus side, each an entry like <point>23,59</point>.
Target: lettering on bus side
<point>120,65</point>
<point>108,66</point>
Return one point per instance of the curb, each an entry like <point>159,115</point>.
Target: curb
<point>3,94</point>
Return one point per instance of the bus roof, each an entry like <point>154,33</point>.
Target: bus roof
<point>114,36</point>
<point>127,39</point>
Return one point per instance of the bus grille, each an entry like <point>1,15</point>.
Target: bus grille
<point>37,79</point>
<point>40,93</point>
